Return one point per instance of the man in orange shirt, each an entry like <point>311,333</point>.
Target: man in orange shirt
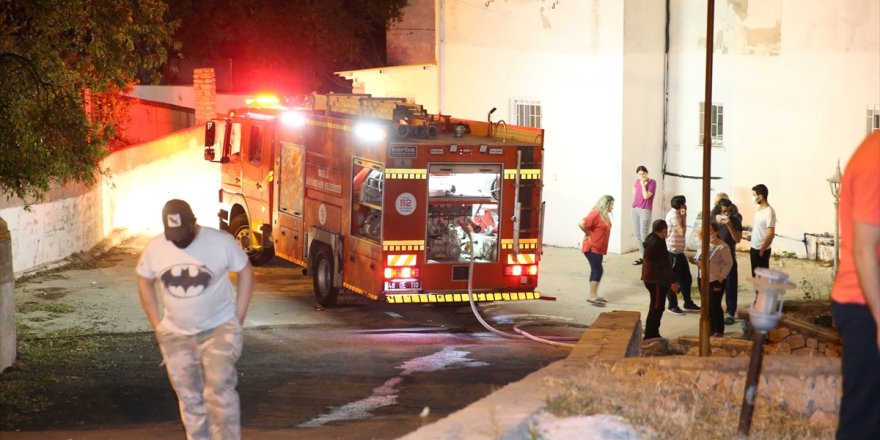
<point>856,293</point>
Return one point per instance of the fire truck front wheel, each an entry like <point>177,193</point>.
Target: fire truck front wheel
<point>322,273</point>
<point>241,230</point>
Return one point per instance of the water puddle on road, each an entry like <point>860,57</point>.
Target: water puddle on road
<point>386,394</point>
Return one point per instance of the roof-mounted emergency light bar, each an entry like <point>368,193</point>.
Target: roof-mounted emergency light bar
<point>264,101</point>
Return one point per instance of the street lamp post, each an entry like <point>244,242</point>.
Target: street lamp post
<point>763,315</point>
<point>834,183</point>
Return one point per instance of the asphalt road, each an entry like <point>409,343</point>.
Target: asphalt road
<point>360,370</point>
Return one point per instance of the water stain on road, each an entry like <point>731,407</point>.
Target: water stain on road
<point>386,394</point>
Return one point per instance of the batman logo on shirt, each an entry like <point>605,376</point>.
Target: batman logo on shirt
<point>186,280</point>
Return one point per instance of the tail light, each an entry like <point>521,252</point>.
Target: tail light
<point>521,269</point>
<point>400,278</point>
<point>401,273</point>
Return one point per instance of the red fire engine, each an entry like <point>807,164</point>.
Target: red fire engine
<point>376,197</point>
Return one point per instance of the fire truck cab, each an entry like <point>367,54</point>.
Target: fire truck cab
<point>374,196</point>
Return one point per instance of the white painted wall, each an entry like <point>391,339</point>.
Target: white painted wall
<point>417,83</point>
<point>570,58</point>
<point>185,97</point>
<point>791,109</point>
<point>143,178</point>
<point>793,104</point>
<point>642,141</point>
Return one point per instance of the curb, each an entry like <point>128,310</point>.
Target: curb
<point>110,241</point>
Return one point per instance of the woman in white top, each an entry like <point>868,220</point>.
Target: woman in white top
<point>720,263</point>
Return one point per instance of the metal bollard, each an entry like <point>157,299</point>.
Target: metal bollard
<point>763,315</point>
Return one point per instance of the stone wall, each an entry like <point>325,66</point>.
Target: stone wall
<point>205,91</point>
<point>806,384</point>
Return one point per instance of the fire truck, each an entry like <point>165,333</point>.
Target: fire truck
<point>376,197</point>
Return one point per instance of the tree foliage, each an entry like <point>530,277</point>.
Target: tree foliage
<point>292,44</point>
<point>63,64</point>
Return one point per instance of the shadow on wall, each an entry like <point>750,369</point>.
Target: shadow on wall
<point>142,178</point>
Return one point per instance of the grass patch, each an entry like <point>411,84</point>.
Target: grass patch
<point>32,307</point>
<point>665,404</point>
<point>50,369</point>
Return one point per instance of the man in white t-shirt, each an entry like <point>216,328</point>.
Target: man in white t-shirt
<point>200,332</point>
<point>763,229</point>
<point>676,219</point>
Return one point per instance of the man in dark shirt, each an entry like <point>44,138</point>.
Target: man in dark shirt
<point>657,276</point>
<point>729,220</point>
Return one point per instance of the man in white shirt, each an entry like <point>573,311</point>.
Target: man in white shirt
<point>676,219</point>
<point>200,332</point>
<point>763,229</point>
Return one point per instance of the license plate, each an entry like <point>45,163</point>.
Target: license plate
<point>403,285</point>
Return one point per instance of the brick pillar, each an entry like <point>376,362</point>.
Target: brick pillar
<point>205,90</point>
<point>7,299</point>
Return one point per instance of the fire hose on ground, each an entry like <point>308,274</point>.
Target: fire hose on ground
<point>519,332</point>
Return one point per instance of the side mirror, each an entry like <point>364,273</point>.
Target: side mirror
<point>210,136</point>
<point>209,154</point>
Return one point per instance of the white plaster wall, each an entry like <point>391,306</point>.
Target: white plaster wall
<point>417,83</point>
<point>54,230</point>
<point>791,110</point>
<point>142,179</point>
<point>642,97</point>
<point>185,97</point>
<point>133,199</point>
<point>569,58</point>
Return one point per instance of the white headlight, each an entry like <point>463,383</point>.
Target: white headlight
<point>369,131</point>
<point>293,119</point>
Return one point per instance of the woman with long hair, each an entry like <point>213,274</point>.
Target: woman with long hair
<point>597,229</point>
<point>643,203</point>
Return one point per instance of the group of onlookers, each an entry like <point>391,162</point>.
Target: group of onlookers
<point>855,295</point>
<point>662,246</point>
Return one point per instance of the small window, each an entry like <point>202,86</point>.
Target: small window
<point>873,119</point>
<point>717,125</point>
<point>255,148</point>
<point>525,112</point>
<point>366,200</point>
<point>234,139</point>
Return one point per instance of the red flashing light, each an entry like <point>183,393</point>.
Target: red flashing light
<point>401,273</point>
<point>519,270</point>
<point>263,101</point>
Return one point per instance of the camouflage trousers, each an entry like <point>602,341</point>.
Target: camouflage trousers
<point>201,369</point>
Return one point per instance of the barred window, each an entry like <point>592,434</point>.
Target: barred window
<point>525,112</point>
<point>873,119</point>
<point>717,125</point>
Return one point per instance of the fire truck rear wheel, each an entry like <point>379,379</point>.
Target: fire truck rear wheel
<point>322,262</point>
<point>241,230</point>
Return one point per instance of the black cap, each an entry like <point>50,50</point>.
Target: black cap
<point>177,217</point>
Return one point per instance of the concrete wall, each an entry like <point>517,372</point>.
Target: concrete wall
<point>7,300</point>
<point>795,78</point>
<point>149,120</point>
<point>411,41</point>
<point>417,83</point>
<point>184,96</point>
<point>141,178</point>
<point>574,60</point>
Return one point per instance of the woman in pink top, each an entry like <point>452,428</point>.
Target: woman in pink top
<point>643,202</point>
<point>597,229</point>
